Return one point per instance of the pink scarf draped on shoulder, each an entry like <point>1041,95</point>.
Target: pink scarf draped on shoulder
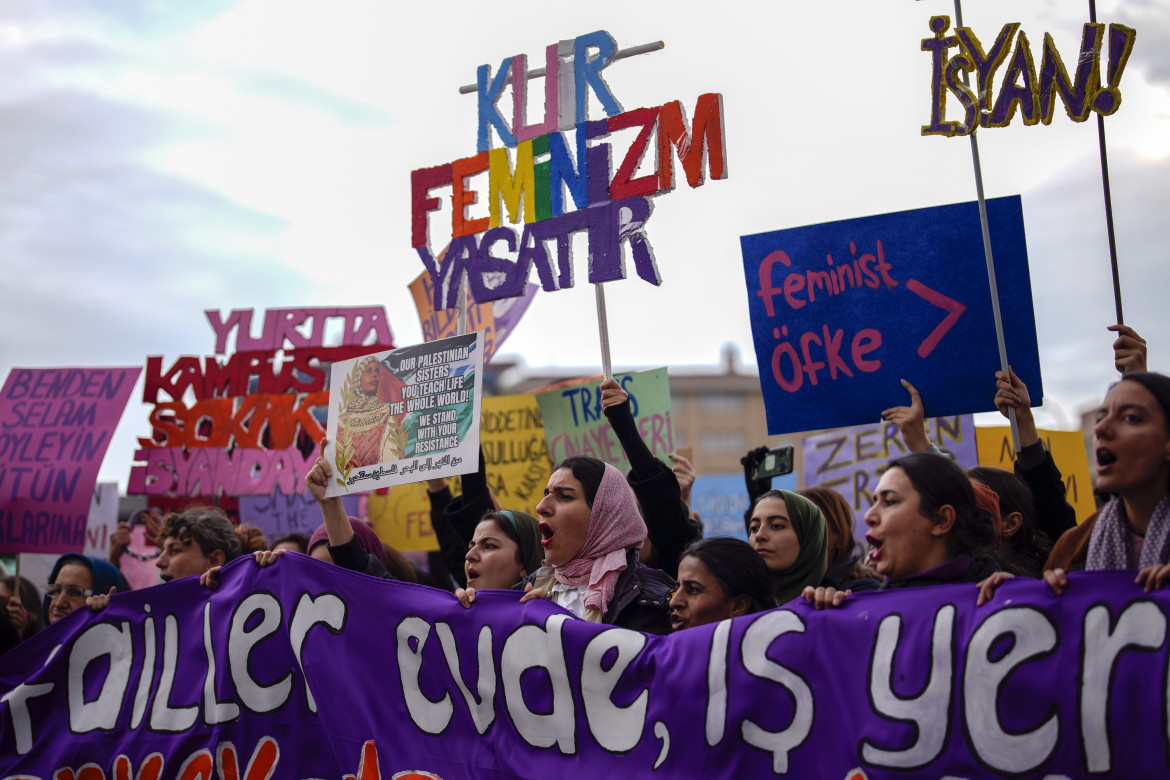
<point>615,526</point>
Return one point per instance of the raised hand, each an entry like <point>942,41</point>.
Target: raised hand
<point>911,420</point>
<point>99,601</point>
<point>1129,350</point>
<point>612,394</point>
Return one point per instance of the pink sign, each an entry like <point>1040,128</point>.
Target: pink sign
<point>208,471</point>
<point>55,426</point>
<point>300,328</point>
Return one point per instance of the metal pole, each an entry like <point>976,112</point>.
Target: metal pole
<point>1003,360</point>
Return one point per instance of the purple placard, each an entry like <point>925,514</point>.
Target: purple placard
<point>308,670</point>
<point>508,311</point>
<point>278,514</point>
<point>55,426</point>
<point>851,460</point>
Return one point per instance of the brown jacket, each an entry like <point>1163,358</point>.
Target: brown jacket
<point>1072,548</point>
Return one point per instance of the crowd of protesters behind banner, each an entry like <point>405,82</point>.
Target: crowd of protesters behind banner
<point>627,550</point>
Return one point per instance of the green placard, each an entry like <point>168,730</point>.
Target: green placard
<point>575,425</point>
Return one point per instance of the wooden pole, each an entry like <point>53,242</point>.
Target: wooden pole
<point>1108,197</point>
<point>461,323</point>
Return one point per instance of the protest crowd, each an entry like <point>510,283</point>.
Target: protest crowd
<point>627,550</point>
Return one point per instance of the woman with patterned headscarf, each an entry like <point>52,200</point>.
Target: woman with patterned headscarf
<point>591,532</point>
<point>367,434</point>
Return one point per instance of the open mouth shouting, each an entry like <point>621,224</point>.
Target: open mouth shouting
<point>875,547</point>
<point>564,518</point>
<point>1105,459</point>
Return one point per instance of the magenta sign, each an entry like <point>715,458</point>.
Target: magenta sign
<point>55,426</point>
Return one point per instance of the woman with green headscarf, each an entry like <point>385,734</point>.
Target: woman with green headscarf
<point>504,549</point>
<point>788,532</point>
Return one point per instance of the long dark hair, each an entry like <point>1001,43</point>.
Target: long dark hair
<point>939,483</point>
<point>30,597</point>
<point>738,569</point>
<point>1024,552</point>
<point>1158,385</point>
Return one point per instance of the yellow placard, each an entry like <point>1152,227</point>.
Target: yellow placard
<point>402,517</point>
<point>515,451</point>
<point>1068,450</point>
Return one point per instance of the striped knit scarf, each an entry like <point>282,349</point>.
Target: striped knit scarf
<point>1109,546</point>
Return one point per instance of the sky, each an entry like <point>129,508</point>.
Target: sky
<point>162,159</point>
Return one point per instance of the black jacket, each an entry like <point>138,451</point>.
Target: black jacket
<point>668,524</point>
<point>1038,470</point>
<point>640,598</point>
<point>977,569</point>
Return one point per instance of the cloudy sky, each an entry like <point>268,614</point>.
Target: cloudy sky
<point>162,158</point>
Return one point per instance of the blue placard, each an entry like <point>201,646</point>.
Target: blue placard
<point>850,308</point>
<point>721,499</point>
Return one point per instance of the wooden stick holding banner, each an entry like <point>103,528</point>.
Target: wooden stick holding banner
<point>1108,197</point>
<point>1003,359</point>
<point>461,324</point>
<point>603,331</point>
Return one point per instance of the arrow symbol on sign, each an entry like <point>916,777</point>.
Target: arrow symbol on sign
<point>953,308</point>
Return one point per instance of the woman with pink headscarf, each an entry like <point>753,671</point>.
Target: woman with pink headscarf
<point>591,531</point>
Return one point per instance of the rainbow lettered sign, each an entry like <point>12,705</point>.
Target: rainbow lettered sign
<point>558,177</point>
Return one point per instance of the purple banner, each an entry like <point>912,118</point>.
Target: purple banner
<point>305,670</point>
<point>851,460</point>
<point>278,514</point>
<point>55,426</point>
